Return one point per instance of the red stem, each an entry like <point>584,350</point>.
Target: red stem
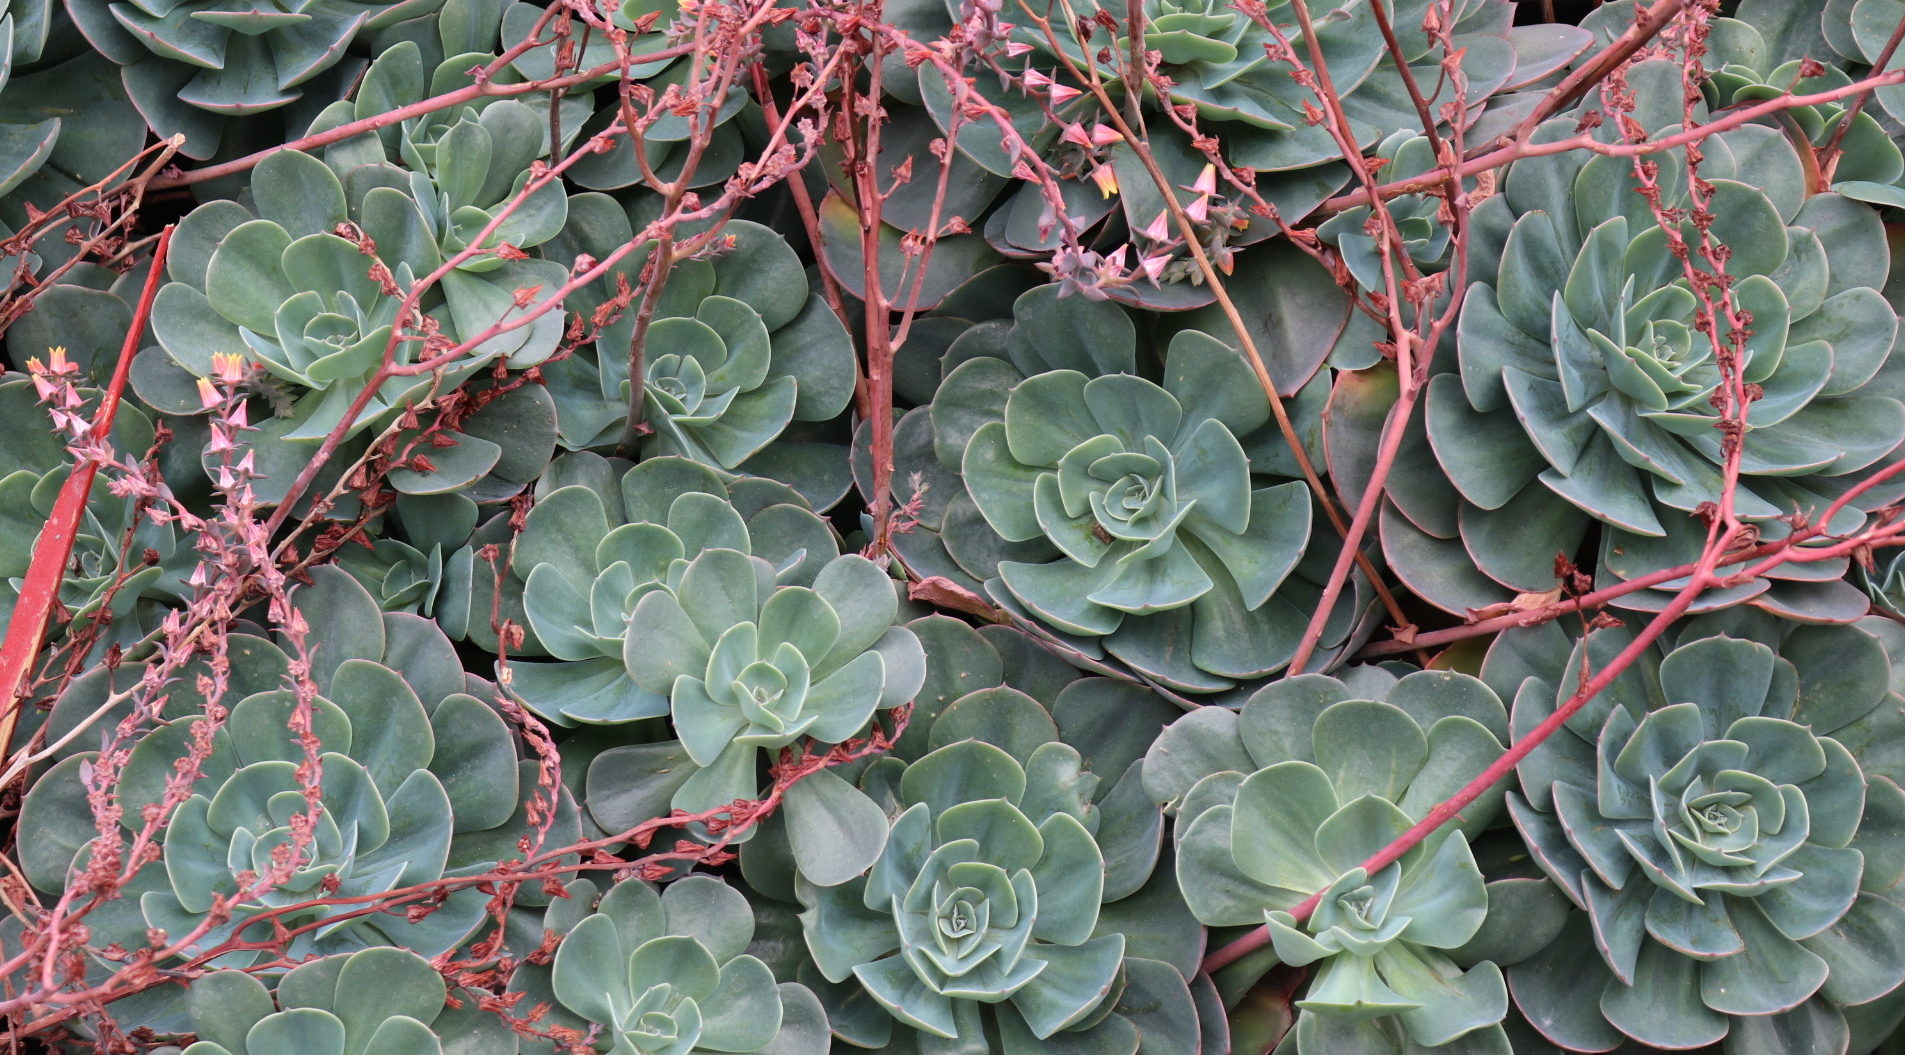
<point>26,629</point>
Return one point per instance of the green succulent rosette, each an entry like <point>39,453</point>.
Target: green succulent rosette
<point>600,536</point>
<point>1153,521</point>
<point>746,664</point>
<point>125,570</point>
<point>987,924</point>
<point>410,792</point>
<point>191,67</point>
<point>1728,852</point>
<point>743,366</point>
<point>668,972</point>
<point>377,1001</point>
<point>278,288</point>
<point>437,57</point>
<point>461,165</point>
<point>1287,798</point>
<point>1582,394</point>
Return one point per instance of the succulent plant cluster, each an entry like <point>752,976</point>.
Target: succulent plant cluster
<point>1727,849</point>
<point>409,791</point>
<point>952,528</point>
<point>1582,391</point>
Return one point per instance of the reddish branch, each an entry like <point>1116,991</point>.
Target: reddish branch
<point>26,628</point>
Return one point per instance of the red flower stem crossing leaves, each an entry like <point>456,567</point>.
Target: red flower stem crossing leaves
<point>26,630</point>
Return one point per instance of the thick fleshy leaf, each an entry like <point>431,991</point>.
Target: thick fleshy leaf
<point>841,933</point>
<point>1354,833</point>
<point>1452,1003</point>
<point>1555,988</point>
<point>1074,980</point>
<point>1218,892</point>
<point>1369,748</point>
<point>1663,1007</point>
<point>1279,812</point>
<point>900,991</point>
<point>303,1029</point>
<point>1046,416</point>
<point>962,772</point>
<point>225,1005</point>
<point>861,594</point>
<point>1070,862</point>
<point>1860,951</point>
<point>1444,897</point>
<point>744,1013</point>
<point>404,984</point>
<point>1829,885</point>
<point>664,643</point>
<point>835,830</point>
<point>1773,974</point>
<point>1200,743</point>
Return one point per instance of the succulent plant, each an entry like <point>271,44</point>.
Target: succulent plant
<point>1156,522</point>
<point>283,291</point>
<point>125,570</point>
<point>461,165</point>
<point>410,792</point>
<point>600,537</point>
<point>441,58</point>
<point>669,973</point>
<point>1727,852</point>
<point>739,352</point>
<point>377,1001</point>
<point>1289,796</point>
<point>748,664</point>
<point>190,67</point>
<point>980,925</point>
<point>1582,389</point>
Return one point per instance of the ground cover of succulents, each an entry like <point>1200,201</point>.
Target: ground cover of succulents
<point>951,527</point>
